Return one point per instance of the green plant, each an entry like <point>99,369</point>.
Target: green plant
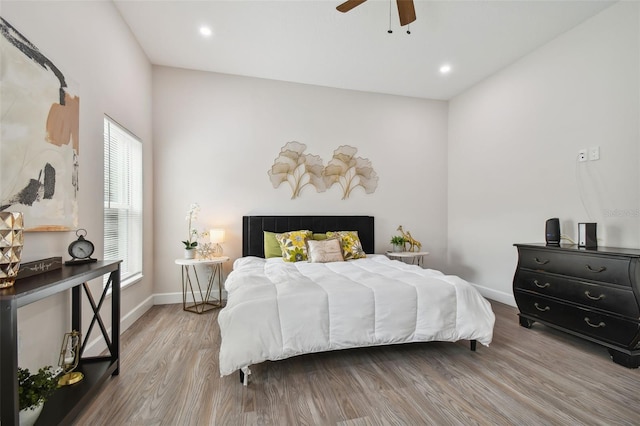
<point>35,388</point>
<point>398,240</point>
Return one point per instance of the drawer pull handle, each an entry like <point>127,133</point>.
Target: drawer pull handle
<point>546,308</point>
<point>590,324</point>
<point>586,293</point>
<point>600,269</point>
<point>541,262</point>
<point>537,283</point>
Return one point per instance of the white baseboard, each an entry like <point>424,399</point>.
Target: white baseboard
<point>498,296</point>
<point>167,298</point>
<point>135,314</point>
<point>98,345</point>
<point>171,298</point>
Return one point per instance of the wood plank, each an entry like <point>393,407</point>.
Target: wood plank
<point>169,375</point>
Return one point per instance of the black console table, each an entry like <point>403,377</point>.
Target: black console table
<point>590,293</point>
<point>67,402</point>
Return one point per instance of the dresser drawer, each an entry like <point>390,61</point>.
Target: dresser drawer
<point>599,326</point>
<point>611,269</point>
<point>616,300</point>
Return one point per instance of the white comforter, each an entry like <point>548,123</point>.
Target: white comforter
<point>277,309</point>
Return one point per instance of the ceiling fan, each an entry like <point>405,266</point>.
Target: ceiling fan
<point>406,10</point>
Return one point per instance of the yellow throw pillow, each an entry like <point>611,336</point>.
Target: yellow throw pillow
<point>351,245</point>
<point>292,245</point>
<point>323,251</point>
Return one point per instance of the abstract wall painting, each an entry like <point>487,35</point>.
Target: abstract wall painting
<point>39,126</point>
<point>300,170</point>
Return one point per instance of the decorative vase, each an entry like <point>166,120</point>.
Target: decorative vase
<point>28,416</point>
<point>398,249</point>
<point>189,253</point>
<point>11,242</point>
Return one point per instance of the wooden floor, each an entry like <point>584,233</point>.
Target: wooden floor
<point>169,376</point>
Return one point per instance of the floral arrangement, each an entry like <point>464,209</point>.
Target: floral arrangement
<point>192,215</point>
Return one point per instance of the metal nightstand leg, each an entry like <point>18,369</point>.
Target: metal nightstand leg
<point>204,304</point>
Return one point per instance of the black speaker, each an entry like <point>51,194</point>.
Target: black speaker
<point>552,232</point>
<point>587,235</point>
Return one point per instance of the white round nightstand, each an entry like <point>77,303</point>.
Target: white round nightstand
<point>411,257</point>
<point>205,303</point>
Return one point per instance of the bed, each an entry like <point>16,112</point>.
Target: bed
<point>278,309</point>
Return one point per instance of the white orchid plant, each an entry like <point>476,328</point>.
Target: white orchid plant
<point>192,215</point>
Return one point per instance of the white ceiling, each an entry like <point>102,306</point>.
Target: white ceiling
<point>308,41</point>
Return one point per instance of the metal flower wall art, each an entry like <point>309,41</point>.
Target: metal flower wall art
<point>299,170</point>
<point>350,172</point>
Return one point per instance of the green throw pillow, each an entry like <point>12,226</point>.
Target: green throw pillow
<point>271,245</point>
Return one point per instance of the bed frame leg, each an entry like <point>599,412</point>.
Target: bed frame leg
<point>244,375</point>
<point>473,345</point>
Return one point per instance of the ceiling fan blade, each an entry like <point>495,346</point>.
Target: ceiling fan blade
<point>406,11</point>
<point>349,4</point>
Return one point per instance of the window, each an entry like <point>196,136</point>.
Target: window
<point>123,200</point>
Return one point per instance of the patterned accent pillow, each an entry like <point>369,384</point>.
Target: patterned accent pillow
<point>351,245</point>
<point>323,251</point>
<point>292,245</point>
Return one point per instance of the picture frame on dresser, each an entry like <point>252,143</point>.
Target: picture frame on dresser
<point>593,294</point>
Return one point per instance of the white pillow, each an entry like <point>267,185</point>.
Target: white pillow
<point>323,251</point>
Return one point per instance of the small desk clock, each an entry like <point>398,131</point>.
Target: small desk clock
<point>80,250</point>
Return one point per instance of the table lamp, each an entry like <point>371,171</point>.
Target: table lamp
<point>216,236</point>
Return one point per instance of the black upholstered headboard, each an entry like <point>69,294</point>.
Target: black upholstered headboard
<point>254,226</point>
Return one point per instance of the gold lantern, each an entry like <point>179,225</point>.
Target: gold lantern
<point>69,358</point>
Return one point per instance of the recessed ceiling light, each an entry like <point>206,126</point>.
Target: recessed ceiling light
<point>445,69</point>
<point>205,31</point>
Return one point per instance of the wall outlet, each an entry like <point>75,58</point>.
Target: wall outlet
<point>582,155</point>
<point>594,153</point>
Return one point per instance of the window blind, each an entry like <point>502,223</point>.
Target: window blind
<point>123,199</point>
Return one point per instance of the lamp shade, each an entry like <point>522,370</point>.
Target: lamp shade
<point>216,236</point>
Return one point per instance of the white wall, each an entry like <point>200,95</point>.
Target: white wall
<point>468,178</point>
<point>514,140</point>
<point>93,47</point>
<point>216,136</point>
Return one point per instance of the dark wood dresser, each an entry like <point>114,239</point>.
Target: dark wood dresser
<point>591,293</point>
